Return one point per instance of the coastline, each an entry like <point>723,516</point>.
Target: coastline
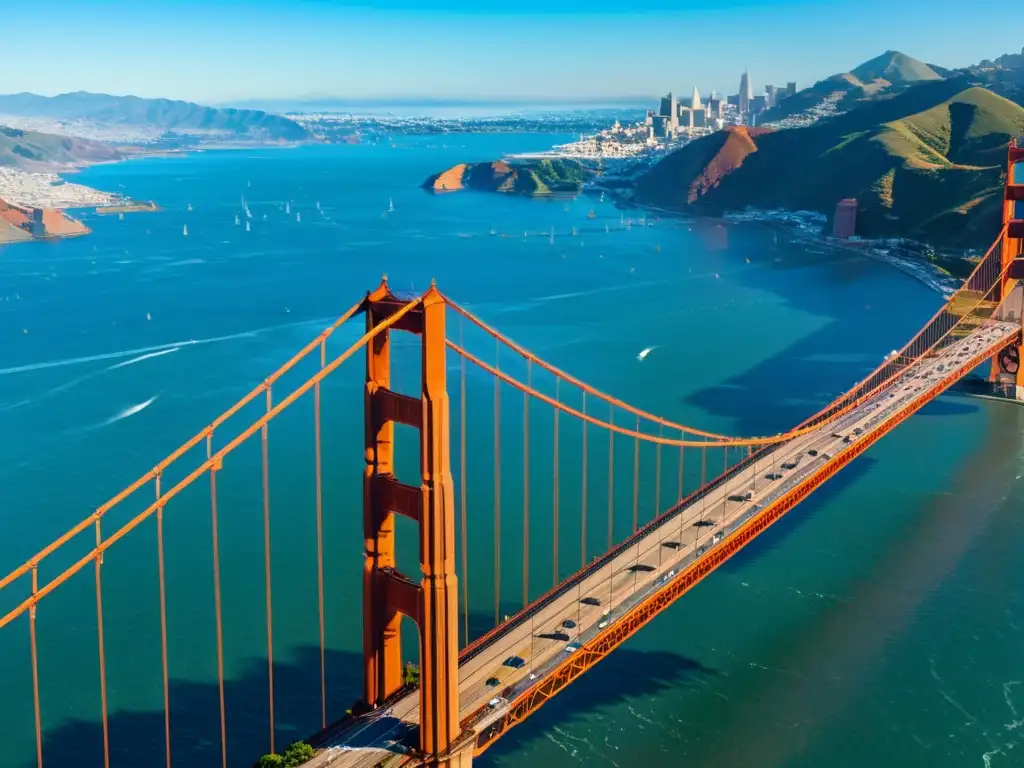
<point>922,270</point>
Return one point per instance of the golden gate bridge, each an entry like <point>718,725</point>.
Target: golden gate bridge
<point>470,691</point>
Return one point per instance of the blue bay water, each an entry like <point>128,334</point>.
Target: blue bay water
<point>881,621</point>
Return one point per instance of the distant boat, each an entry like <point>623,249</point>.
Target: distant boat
<point>391,205</point>
<point>606,228</point>
<point>149,316</point>
<point>248,183</point>
<point>184,231</point>
<point>287,207</point>
<point>237,222</point>
<point>551,239</point>
<point>318,205</point>
<point>602,197</point>
<point>574,231</point>
<point>247,226</point>
<point>120,217</point>
<point>591,215</point>
<point>298,217</point>
<point>190,206</point>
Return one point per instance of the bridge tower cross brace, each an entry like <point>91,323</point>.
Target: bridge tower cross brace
<point>432,603</point>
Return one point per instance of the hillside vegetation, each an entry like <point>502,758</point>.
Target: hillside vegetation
<point>889,73</point>
<point>534,179</point>
<point>176,116</point>
<point>927,164</point>
<point>32,150</point>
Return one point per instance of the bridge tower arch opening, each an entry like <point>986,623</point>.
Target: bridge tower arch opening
<point>432,601</point>
<point>1006,367</point>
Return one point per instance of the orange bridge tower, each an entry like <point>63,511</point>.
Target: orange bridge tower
<point>387,594</point>
<point>1006,367</point>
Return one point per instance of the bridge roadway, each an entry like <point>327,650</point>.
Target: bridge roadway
<point>608,588</point>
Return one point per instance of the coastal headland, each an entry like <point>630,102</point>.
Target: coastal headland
<point>18,223</point>
<point>541,178</point>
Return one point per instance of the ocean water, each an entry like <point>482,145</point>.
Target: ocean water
<point>880,621</point>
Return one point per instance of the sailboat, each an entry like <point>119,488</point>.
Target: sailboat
<point>391,205</point>
<point>184,231</point>
<point>602,197</point>
<point>574,231</point>
<point>298,217</point>
<point>237,222</point>
<point>190,206</point>
<point>120,217</point>
<point>248,183</point>
<point>606,229</point>
<point>287,207</point>
<point>247,227</point>
<point>318,205</point>
<point>551,239</point>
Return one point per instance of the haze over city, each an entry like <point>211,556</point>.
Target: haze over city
<point>224,50</point>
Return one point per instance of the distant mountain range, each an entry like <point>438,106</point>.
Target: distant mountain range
<point>181,117</point>
<point>926,161</point>
<point>32,150</point>
<point>889,73</point>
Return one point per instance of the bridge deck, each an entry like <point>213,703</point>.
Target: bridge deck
<point>602,594</point>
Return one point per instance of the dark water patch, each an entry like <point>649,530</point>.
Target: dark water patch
<point>137,738</point>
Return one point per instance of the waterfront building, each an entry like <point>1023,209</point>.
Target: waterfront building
<point>844,224</point>
<point>790,89</point>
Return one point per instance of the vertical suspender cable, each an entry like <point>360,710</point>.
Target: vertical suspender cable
<point>681,489</point>
<point>611,477</point>
<point>320,537</point>
<point>497,488</point>
<point>266,571</point>
<point>217,604</point>
<point>163,623</point>
<point>636,476</point>
<point>35,670</point>
<point>462,486</point>
<point>583,491</point>
<point>102,652</point>
<point>554,465</point>
<point>526,485</point>
<point>657,473</point>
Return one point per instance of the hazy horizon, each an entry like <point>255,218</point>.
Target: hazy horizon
<point>225,52</point>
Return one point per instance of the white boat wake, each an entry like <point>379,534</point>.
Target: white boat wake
<point>140,358</point>
<point>129,411</point>
<point>642,355</point>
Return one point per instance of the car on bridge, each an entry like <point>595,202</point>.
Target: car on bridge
<point>516,662</point>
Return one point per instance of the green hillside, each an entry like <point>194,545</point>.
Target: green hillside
<point>896,68</point>
<point>926,164</point>
<point>891,72</point>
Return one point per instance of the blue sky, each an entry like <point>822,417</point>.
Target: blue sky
<point>218,51</point>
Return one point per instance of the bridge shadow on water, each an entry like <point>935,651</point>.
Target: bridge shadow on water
<point>861,324</point>
<point>137,737</point>
<point>626,674</point>
<point>792,521</point>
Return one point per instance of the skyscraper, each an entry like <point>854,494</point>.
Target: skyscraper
<point>746,93</point>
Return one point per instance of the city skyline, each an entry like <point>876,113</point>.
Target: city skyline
<point>226,51</point>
